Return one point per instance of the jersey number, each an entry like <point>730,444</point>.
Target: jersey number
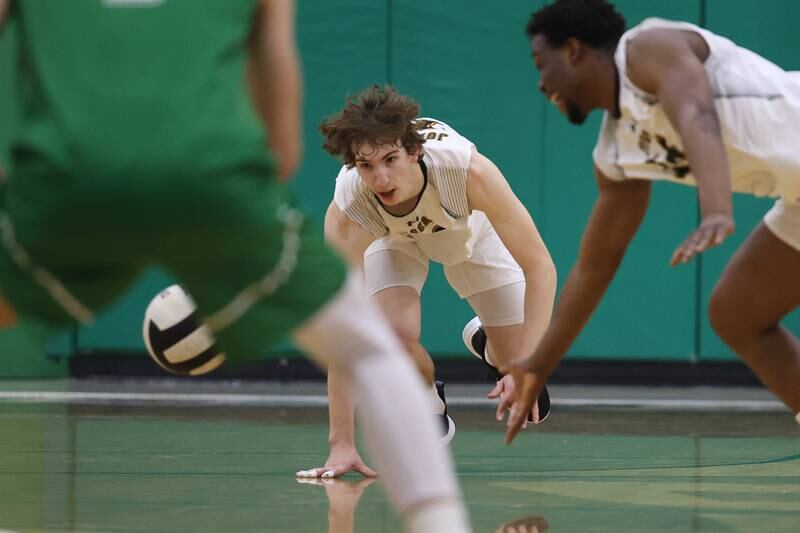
<point>433,136</point>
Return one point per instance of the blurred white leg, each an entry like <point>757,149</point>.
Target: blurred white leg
<point>393,407</point>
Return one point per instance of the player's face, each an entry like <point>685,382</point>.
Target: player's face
<point>390,172</point>
<point>557,78</point>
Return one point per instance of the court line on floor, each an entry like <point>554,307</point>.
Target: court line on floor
<point>303,400</point>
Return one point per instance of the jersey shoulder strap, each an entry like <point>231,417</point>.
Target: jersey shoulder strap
<point>446,155</point>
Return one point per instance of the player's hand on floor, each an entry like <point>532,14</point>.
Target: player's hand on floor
<point>713,230</point>
<point>340,461</point>
<point>528,384</point>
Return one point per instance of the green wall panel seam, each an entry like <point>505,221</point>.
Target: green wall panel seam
<point>389,36</point>
<point>698,285</point>
<point>703,11</point>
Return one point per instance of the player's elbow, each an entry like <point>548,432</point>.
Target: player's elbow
<point>547,270</point>
<point>698,114</point>
<point>334,236</point>
<point>542,272</point>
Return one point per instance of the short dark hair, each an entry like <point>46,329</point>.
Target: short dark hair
<point>594,22</point>
<point>374,116</point>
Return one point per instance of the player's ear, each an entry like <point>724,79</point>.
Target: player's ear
<point>574,50</point>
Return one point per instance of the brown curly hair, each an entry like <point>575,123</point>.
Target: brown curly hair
<point>375,116</point>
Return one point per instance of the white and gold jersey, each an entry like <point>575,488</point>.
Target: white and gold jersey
<point>441,223</point>
<point>758,104</point>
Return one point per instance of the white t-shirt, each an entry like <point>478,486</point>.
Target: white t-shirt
<point>441,223</point>
<point>758,104</point>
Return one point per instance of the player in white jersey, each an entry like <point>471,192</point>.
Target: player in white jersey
<point>689,106</point>
<point>413,190</point>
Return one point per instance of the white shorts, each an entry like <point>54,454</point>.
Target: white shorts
<point>490,280</point>
<point>784,221</point>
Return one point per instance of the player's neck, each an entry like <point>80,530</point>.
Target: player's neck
<point>607,85</point>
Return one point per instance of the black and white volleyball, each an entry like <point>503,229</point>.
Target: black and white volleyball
<point>176,338</point>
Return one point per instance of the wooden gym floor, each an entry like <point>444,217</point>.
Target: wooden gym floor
<point>104,458</point>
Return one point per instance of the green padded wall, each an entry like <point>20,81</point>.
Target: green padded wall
<point>338,59</point>
<point>471,68</point>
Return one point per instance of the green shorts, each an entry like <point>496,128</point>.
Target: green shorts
<point>255,266</point>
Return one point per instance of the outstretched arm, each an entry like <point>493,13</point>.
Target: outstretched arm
<point>617,214</point>
<point>350,240</point>
<point>669,64</point>
<point>343,456</point>
<point>488,191</point>
<point>275,81</point>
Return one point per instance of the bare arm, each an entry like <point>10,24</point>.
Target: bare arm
<point>350,240</point>
<point>275,81</point>
<point>346,236</point>
<point>341,411</point>
<point>488,191</point>
<point>617,214</point>
<point>669,64</point>
<point>343,456</point>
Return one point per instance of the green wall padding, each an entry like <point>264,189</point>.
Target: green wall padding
<point>471,68</point>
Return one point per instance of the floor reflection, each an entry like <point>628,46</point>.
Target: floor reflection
<point>130,469</point>
<point>343,497</point>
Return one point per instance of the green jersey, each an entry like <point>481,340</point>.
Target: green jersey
<point>138,146</point>
<point>111,87</point>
